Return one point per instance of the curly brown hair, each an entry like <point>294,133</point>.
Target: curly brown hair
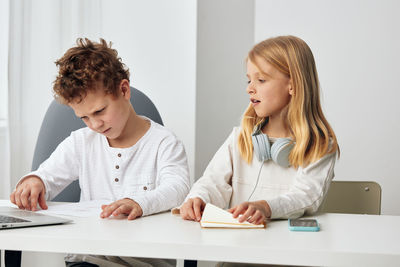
<point>85,65</point>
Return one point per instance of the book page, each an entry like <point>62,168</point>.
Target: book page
<point>218,218</point>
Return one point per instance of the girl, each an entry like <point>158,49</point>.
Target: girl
<point>280,162</point>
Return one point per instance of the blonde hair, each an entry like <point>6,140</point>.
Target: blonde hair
<point>311,132</point>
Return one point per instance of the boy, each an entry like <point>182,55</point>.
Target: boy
<point>122,158</point>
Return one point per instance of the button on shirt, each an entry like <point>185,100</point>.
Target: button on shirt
<point>153,172</point>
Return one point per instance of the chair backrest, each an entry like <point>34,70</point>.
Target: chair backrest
<point>353,197</point>
<point>60,121</point>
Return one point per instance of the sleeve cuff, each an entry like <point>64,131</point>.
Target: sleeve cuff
<point>176,210</point>
<point>194,196</point>
<point>141,201</point>
<point>278,213</point>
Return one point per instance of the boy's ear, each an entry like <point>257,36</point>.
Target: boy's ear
<point>125,89</point>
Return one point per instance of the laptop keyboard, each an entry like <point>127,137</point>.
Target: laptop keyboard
<point>10,219</point>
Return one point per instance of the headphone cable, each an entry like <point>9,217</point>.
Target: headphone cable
<point>258,178</point>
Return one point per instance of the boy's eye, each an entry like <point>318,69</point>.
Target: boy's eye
<point>248,82</point>
<point>84,118</point>
<point>99,111</point>
<point>261,80</point>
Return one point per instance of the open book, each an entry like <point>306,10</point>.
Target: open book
<point>214,217</point>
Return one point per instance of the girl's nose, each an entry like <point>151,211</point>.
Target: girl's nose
<point>250,89</point>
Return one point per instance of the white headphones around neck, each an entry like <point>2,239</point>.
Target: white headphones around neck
<point>278,152</point>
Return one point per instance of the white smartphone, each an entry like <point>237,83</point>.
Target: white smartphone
<point>307,225</point>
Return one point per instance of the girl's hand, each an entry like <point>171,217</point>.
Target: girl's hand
<point>192,209</point>
<point>254,212</point>
<point>123,206</point>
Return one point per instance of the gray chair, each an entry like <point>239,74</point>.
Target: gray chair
<point>58,123</point>
<point>358,197</point>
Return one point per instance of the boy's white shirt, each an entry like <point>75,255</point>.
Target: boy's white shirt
<point>228,181</point>
<point>153,172</point>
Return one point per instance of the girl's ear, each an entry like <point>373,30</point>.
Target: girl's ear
<point>291,89</point>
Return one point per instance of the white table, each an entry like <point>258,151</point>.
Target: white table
<point>344,240</point>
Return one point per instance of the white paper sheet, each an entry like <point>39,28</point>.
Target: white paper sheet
<point>79,209</point>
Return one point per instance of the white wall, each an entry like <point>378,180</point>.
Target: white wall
<point>225,35</point>
<point>356,47</point>
<point>4,7</point>
<point>31,71</point>
<point>4,161</point>
<point>4,148</point>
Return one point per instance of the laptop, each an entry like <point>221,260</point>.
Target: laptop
<point>14,218</point>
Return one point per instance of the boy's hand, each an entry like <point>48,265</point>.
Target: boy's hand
<point>29,193</point>
<point>123,206</point>
<point>254,212</point>
<point>192,209</point>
